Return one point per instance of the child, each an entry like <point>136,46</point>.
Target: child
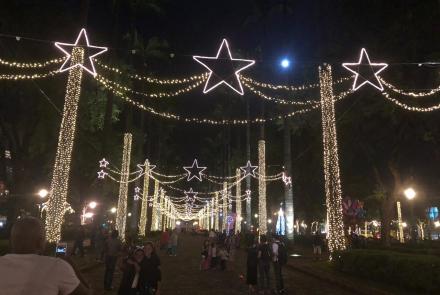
<point>223,254</point>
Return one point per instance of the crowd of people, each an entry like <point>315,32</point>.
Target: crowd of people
<point>265,259</point>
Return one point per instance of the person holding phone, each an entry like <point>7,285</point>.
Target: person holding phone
<point>26,271</point>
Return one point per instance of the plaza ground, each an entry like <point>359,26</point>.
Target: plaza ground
<point>181,275</point>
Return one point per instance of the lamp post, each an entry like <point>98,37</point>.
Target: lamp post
<point>410,194</point>
<point>42,193</point>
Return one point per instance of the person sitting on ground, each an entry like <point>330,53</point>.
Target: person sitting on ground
<point>150,275</point>
<point>131,267</point>
<point>26,271</point>
<point>223,254</point>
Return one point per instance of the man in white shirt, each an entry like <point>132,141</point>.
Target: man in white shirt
<point>26,272</point>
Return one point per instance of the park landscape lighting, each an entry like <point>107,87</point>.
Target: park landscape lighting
<point>43,193</point>
<point>269,221</point>
<point>404,224</point>
<point>256,215</point>
<point>113,210</point>
<point>88,215</point>
<point>437,223</point>
<point>409,193</point>
<point>92,205</point>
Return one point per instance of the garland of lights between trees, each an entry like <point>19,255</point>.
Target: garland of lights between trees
<point>215,209</point>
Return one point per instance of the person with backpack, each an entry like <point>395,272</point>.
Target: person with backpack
<point>264,260</point>
<point>279,259</point>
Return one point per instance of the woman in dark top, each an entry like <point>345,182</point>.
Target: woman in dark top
<point>150,274</point>
<point>252,267</point>
<point>131,281</point>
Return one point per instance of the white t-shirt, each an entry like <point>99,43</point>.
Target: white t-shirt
<point>31,274</point>
<point>275,252</point>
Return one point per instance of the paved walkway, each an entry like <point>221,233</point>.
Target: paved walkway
<point>181,275</point>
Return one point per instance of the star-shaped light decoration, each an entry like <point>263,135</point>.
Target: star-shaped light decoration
<point>223,69</point>
<point>103,163</point>
<point>102,174</point>
<point>249,170</point>
<point>141,168</point>
<point>287,179</point>
<point>194,171</point>
<point>375,69</point>
<point>136,197</point>
<point>137,190</point>
<point>150,204</point>
<point>248,195</point>
<point>90,52</point>
<point>190,195</point>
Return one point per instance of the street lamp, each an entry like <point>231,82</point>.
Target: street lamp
<point>113,210</point>
<point>410,193</point>
<point>93,205</point>
<point>256,215</point>
<point>43,193</point>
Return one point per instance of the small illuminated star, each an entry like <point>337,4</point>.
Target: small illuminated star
<point>217,65</point>
<point>136,197</point>
<point>137,190</point>
<point>190,195</point>
<point>142,166</point>
<point>375,69</point>
<point>287,179</point>
<point>249,169</point>
<point>194,171</point>
<point>89,53</point>
<point>103,163</point>
<point>102,174</point>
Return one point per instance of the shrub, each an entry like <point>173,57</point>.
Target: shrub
<point>418,272</point>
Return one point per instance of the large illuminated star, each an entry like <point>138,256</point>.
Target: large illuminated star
<point>223,69</point>
<point>194,171</point>
<point>375,68</point>
<point>249,170</point>
<point>89,53</point>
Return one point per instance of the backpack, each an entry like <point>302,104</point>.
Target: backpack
<point>282,254</point>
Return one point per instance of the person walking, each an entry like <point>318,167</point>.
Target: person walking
<point>150,274</point>
<point>131,268</point>
<point>206,258</point>
<point>223,256</point>
<point>252,267</point>
<point>26,271</point>
<point>164,240</point>
<point>264,260</point>
<point>112,249</point>
<point>174,240</point>
<point>79,241</point>
<point>279,259</point>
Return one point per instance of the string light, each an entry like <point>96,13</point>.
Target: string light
<point>108,84</point>
<point>85,63</point>
<point>238,202</point>
<point>336,237</point>
<point>354,68</point>
<point>262,210</point>
<point>279,87</point>
<point>66,138</point>
<point>411,108</point>
<point>144,203</point>
<point>236,63</point>
<point>31,65</point>
<point>399,223</point>
<point>16,77</point>
<point>159,211</point>
<point>121,213</point>
<point>207,121</point>
<point>153,80</point>
<point>413,94</point>
<point>279,100</point>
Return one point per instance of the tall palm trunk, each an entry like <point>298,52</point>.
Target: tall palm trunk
<point>288,193</point>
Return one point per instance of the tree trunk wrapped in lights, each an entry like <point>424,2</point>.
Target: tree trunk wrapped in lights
<point>144,201</point>
<point>217,213</point>
<point>225,206</point>
<point>121,215</point>
<point>154,208</point>
<point>238,201</point>
<point>333,192</point>
<point>262,209</point>
<point>57,202</point>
